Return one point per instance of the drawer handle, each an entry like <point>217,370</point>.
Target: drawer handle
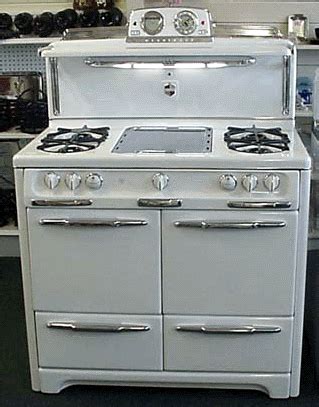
<point>162,203</point>
<point>67,202</point>
<point>259,205</point>
<point>92,222</point>
<point>112,328</point>
<point>209,329</point>
<point>229,225</point>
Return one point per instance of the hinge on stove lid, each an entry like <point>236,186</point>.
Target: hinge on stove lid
<point>55,86</point>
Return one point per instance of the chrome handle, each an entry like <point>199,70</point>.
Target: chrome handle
<point>162,203</point>
<point>245,329</point>
<point>286,85</point>
<point>155,151</point>
<point>229,225</point>
<point>210,64</point>
<point>112,328</point>
<point>73,202</point>
<point>103,64</point>
<point>232,63</point>
<point>259,205</point>
<point>55,86</point>
<point>92,222</point>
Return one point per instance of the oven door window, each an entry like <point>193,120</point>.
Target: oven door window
<point>95,260</point>
<point>226,266</point>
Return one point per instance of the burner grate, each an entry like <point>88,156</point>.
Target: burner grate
<point>66,141</point>
<point>254,140</point>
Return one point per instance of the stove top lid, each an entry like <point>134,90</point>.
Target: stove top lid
<point>169,140</point>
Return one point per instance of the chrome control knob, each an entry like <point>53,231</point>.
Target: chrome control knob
<point>160,181</point>
<point>249,182</point>
<point>72,181</point>
<point>94,181</point>
<point>52,180</point>
<point>272,182</point>
<point>228,182</point>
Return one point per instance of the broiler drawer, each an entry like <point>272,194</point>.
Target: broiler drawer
<point>96,341</point>
<point>227,344</point>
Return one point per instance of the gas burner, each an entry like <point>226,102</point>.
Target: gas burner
<point>74,140</point>
<point>254,140</point>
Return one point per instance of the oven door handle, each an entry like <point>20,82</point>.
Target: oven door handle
<point>161,203</point>
<point>66,202</point>
<point>259,205</point>
<point>244,330</point>
<point>229,225</point>
<point>111,328</point>
<point>114,223</point>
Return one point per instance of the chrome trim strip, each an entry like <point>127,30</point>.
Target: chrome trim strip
<point>74,202</point>
<point>286,85</point>
<point>92,222</point>
<point>55,86</point>
<point>111,328</point>
<point>229,225</point>
<point>259,205</point>
<point>162,203</point>
<point>210,64</point>
<point>245,329</point>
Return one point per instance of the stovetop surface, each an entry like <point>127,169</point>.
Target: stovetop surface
<point>219,156</point>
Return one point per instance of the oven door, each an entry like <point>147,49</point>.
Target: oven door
<point>95,260</point>
<point>229,263</point>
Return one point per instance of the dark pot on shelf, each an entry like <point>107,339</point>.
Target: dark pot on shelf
<point>89,18</point>
<point>65,19</point>
<point>44,24</point>
<point>24,23</point>
<point>5,21</point>
<point>112,17</point>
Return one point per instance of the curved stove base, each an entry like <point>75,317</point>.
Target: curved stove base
<point>277,386</point>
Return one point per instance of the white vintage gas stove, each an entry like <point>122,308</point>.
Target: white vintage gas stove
<point>164,212</point>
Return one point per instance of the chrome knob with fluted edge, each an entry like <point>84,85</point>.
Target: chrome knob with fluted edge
<point>272,182</point>
<point>73,181</point>
<point>228,182</point>
<point>52,180</point>
<point>94,181</point>
<point>249,182</point>
<point>160,181</point>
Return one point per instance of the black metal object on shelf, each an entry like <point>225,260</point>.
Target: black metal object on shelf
<point>32,114</point>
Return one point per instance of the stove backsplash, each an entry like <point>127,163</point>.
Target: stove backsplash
<point>245,84</point>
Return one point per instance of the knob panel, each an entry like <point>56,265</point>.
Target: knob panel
<point>160,181</point>
<point>52,180</point>
<point>250,182</point>
<point>73,181</point>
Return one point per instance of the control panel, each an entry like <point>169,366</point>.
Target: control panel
<point>191,189</point>
<point>169,25</point>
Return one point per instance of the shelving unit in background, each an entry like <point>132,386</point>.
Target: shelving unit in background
<point>29,40</point>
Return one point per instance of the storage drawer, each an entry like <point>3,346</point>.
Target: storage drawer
<point>99,341</point>
<point>227,344</point>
